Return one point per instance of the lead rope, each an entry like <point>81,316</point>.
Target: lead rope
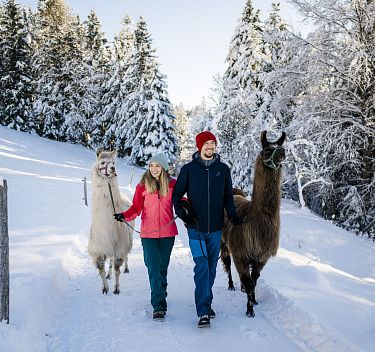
<point>126,223</point>
<point>110,193</point>
<point>200,243</point>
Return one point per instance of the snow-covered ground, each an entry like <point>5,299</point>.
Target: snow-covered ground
<point>318,294</point>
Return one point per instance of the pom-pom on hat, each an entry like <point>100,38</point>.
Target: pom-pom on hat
<point>160,159</point>
<point>203,137</point>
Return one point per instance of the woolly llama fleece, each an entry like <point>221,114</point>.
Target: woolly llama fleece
<point>109,239</point>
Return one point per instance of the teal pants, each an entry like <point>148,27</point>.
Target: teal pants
<point>156,255</point>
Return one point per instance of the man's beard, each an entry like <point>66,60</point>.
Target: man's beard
<point>209,156</point>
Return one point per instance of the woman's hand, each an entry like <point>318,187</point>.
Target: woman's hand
<point>119,217</point>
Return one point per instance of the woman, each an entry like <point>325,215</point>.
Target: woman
<point>153,198</point>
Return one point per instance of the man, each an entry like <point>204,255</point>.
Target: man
<point>208,184</point>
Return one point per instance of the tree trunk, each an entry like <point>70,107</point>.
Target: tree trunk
<point>4,254</point>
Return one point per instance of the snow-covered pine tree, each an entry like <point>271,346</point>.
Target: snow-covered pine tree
<point>97,56</point>
<point>16,82</point>
<point>245,60</point>
<point>76,122</point>
<point>97,52</point>
<point>57,67</point>
<point>263,103</point>
<point>201,118</point>
<point>184,137</point>
<point>147,106</point>
<point>158,134</point>
<point>282,83</point>
<point>115,109</point>
<point>250,101</point>
<point>124,41</point>
<point>276,38</point>
<point>139,72</point>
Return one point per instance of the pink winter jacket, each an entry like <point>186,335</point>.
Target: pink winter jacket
<point>157,212</point>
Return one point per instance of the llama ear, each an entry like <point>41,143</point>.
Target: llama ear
<point>263,138</point>
<point>114,153</point>
<point>281,140</point>
<point>98,152</point>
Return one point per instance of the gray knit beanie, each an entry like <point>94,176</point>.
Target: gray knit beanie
<point>160,159</point>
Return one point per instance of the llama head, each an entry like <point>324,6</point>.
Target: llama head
<point>105,163</point>
<point>272,153</point>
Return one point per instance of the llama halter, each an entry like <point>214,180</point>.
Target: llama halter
<point>270,161</point>
<point>108,164</point>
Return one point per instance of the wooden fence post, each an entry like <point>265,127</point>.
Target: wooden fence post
<point>85,190</point>
<point>131,176</point>
<point>4,253</point>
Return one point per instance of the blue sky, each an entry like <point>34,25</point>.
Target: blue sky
<point>191,36</point>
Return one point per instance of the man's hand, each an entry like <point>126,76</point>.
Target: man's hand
<point>187,219</point>
<point>187,215</point>
<point>236,220</point>
<point>119,217</point>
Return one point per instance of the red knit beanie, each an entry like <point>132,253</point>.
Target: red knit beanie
<point>203,137</point>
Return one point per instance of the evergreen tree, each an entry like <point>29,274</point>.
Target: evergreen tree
<point>57,66</point>
<point>250,101</point>
<point>147,107</point>
<point>138,76</point>
<point>16,82</point>
<point>265,108</point>
<point>201,119</point>
<point>158,135</point>
<point>276,38</point>
<point>185,140</point>
<point>124,41</point>
<point>97,59</point>
<point>80,103</point>
<point>245,61</point>
<point>115,109</point>
<point>97,54</point>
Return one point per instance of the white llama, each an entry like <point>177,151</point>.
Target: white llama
<point>109,239</point>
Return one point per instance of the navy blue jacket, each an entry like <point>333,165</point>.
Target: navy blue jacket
<point>209,190</point>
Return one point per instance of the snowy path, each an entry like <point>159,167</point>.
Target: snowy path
<point>87,320</point>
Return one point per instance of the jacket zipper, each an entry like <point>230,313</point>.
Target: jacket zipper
<point>208,198</point>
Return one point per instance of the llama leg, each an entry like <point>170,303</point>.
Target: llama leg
<point>118,263</point>
<point>255,273</point>
<point>246,282</point>
<point>126,267</point>
<point>100,264</point>
<point>225,258</point>
<point>109,273</point>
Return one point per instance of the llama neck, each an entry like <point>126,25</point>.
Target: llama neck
<point>266,188</point>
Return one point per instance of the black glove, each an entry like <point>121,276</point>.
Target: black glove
<point>186,215</point>
<point>236,220</point>
<point>187,219</point>
<point>119,217</point>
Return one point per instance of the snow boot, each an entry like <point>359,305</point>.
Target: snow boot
<point>158,315</point>
<point>204,321</point>
<point>212,314</point>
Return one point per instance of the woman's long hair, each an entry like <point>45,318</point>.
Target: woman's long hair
<point>152,185</point>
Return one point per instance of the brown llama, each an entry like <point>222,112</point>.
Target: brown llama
<point>239,192</point>
<point>253,242</point>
